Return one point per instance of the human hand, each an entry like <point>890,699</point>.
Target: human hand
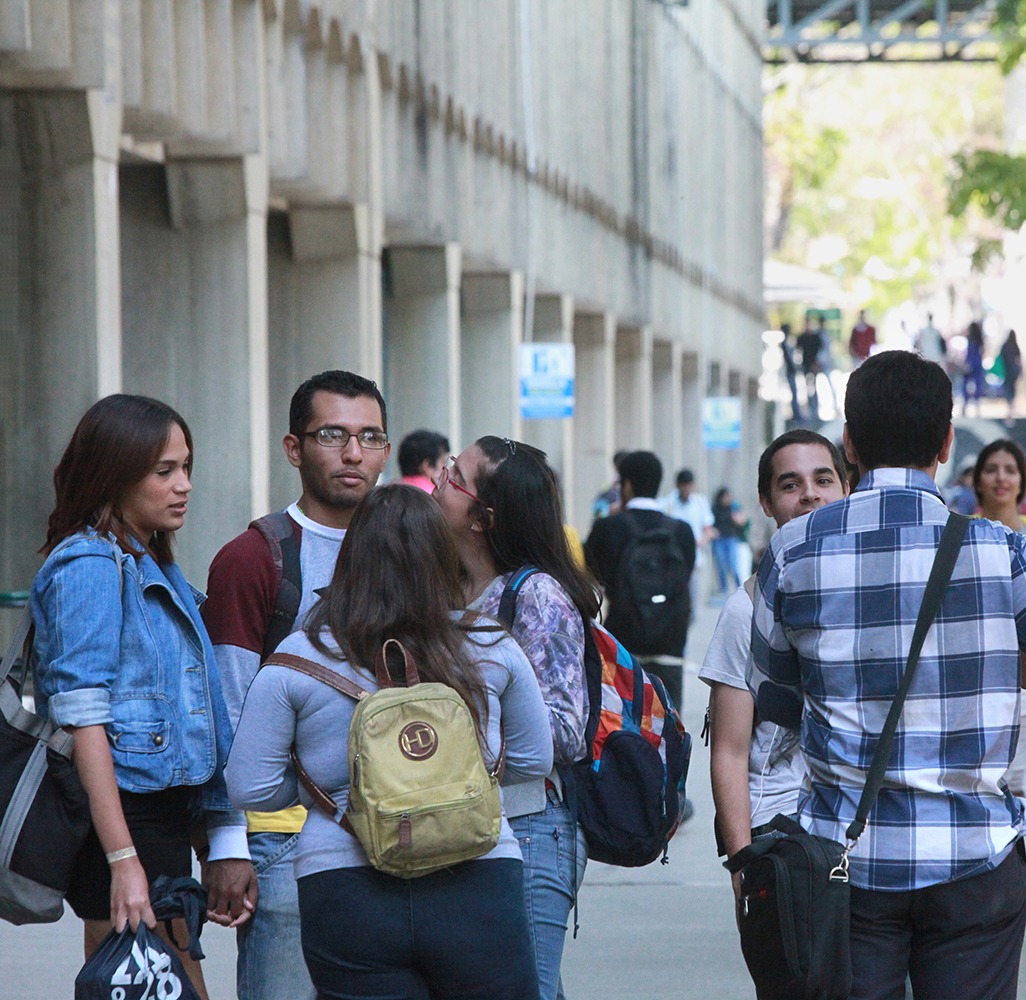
<point>231,885</point>
<point>130,896</point>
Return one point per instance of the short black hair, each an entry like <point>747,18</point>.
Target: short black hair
<point>684,477</point>
<point>644,471</point>
<point>421,446</point>
<point>898,410</point>
<point>1001,444</point>
<point>341,383</point>
<point>800,435</point>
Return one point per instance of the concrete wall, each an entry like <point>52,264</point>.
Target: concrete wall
<point>210,201</point>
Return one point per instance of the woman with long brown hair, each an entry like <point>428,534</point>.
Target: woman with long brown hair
<point>459,932</point>
<point>122,660</point>
<point>501,500</point>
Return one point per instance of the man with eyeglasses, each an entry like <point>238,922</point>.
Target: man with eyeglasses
<point>260,587</point>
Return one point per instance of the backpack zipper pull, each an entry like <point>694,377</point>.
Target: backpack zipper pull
<point>405,831</point>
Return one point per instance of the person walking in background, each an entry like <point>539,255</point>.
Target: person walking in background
<point>608,501</point>
<point>961,496</point>
<point>999,481</point>
<point>862,340</point>
<point>645,561</point>
<point>930,342</point>
<point>502,503</point>
<point>826,358</point>
<point>421,457</point>
<point>685,504</point>
<point>790,370</point>
<point>729,523</point>
<point>122,660</point>
<point>262,585</point>
<point>460,932</point>
<point>810,345</point>
<point>973,377</point>
<point>1011,361</point>
<point>938,879</point>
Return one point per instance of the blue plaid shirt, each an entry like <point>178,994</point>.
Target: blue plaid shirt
<point>836,603</point>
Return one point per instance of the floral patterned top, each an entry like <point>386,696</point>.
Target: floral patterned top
<point>550,631</point>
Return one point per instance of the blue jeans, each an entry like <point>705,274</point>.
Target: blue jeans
<point>725,556</point>
<point>456,934</point>
<point>551,881</point>
<point>270,964</point>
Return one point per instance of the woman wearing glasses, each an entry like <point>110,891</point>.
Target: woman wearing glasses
<point>501,499</point>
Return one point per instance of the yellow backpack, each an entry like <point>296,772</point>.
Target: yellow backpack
<point>420,795</point>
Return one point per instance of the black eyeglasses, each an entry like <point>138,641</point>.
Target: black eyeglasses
<point>338,437</point>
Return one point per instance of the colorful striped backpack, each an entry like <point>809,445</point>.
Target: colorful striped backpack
<point>627,792</point>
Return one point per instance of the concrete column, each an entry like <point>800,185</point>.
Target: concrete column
<point>553,323</point>
<point>596,412</point>
<point>491,331</point>
<point>633,388</point>
<point>320,274</point>
<point>60,297</point>
<point>692,392</point>
<point>194,273</point>
<point>422,340</point>
<point>667,408</point>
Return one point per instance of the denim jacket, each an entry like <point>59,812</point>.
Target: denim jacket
<point>123,646</point>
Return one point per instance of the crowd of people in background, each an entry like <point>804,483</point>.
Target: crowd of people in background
<point>977,371</point>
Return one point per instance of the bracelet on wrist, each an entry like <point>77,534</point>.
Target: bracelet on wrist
<point>121,855</point>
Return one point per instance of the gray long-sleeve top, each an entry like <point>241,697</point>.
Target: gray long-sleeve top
<point>285,707</point>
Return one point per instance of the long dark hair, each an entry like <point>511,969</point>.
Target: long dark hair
<point>398,577</point>
<point>527,518</point>
<point>116,444</point>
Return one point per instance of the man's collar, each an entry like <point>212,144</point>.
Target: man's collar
<point>911,479</point>
<point>643,503</point>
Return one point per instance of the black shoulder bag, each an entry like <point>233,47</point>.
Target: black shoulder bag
<point>794,915</point>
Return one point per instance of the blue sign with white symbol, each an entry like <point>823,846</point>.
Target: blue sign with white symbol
<point>546,381</point>
<point>721,422</point>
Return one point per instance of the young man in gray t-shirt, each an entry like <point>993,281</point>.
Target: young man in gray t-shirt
<point>757,768</point>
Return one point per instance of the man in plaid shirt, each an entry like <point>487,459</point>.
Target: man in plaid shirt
<point>938,878</point>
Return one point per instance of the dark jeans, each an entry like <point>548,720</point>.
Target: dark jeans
<point>459,933</point>
<point>956,939</point>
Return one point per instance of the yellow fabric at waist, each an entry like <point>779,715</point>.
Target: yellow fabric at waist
<point>284,821</point>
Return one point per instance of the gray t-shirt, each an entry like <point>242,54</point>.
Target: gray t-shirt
<point>284,706</point>
<point>776,768</point>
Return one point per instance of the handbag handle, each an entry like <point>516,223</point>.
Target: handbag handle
<point>936,586</point>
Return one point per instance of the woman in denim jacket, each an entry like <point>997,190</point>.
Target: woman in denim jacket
<point>501,499</point>
<point>122,660</point>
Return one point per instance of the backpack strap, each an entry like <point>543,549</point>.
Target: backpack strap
<point>343,685</point>
<point>279,532</point>
<point>318,672</point>
<point>508,602</point>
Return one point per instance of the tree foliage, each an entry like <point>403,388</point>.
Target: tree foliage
<point>857,164</point>
<point>989,181</point>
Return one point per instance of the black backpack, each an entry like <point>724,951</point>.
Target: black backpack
<point>651,606</point>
